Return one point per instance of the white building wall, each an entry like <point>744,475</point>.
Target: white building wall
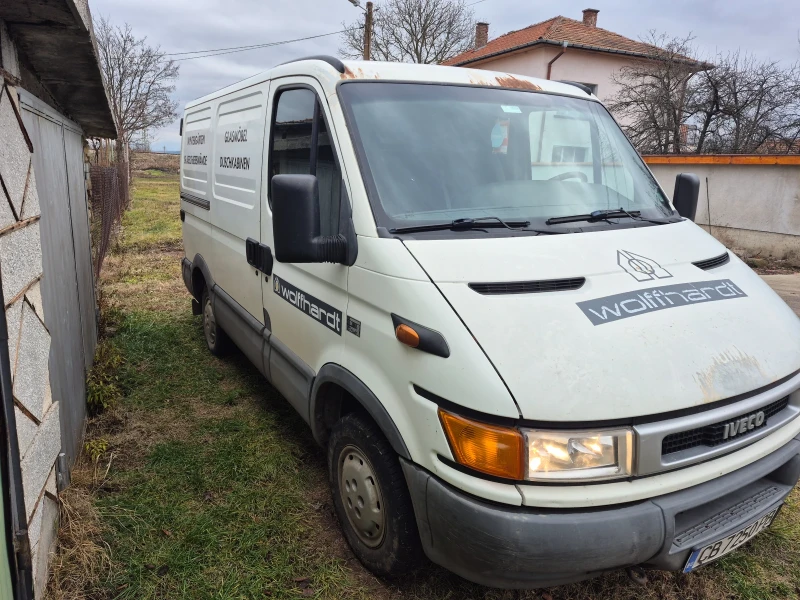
<point>582,66</point>
<point>38,425</point>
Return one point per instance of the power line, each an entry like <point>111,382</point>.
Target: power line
<point>234,49</point>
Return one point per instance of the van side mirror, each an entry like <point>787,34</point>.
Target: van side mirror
<point>295,223</point>
<point>687,191</point>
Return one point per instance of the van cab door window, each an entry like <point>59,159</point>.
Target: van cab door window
<point>301,145</point>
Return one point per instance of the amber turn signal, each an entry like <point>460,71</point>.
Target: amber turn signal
<point>486,448</point>
<point>407,335</point>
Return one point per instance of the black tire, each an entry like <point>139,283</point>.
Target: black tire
<point>395,549</point>
<point>218,342</point>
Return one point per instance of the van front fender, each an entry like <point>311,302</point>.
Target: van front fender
<point>331,377</point>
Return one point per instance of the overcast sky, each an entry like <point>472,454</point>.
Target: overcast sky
<point>768,28</point>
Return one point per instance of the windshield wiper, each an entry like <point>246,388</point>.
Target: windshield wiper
<point>597,215</point>
<point>603,215</point>
<point>467,224</point>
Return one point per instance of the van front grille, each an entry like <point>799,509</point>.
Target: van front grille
<point>528,287</point>
<point>712,435</point>
<point>712,263</point>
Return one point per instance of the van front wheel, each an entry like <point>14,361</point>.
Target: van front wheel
<point>371,497</point>
<point>216,339</point>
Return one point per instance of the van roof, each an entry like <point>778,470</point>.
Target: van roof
<point>323,69</point>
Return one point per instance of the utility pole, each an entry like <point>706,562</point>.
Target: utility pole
<point>368,32</point>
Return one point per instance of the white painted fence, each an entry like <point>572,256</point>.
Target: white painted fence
<point>749,202</point>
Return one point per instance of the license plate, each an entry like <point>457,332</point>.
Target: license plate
<point>707,554</point>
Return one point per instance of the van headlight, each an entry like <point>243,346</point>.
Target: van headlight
<point>578,455</point>
<point>539,455</point>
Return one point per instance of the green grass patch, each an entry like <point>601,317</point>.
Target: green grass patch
<point>152,220</point>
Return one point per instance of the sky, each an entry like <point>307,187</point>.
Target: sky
<point>768,29</point>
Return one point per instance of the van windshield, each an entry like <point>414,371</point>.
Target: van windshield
<point>435,153</point>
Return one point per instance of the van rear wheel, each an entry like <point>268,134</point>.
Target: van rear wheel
<point>217,340</point>
<point>371,497</point>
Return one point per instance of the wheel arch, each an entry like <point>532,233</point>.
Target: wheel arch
<point>201,277</point>
<point>334,391</point>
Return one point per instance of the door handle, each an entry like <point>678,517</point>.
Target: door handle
<point>259,256</point>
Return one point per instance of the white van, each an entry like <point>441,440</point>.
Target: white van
<point>524,361</point>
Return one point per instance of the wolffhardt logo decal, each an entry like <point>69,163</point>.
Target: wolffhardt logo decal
<point>314,308</point>
<point>640,267</point>
<point>640,302</point>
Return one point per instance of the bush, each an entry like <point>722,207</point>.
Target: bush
<point>102,391</point>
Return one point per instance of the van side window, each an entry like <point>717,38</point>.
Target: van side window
<point>302,145</point>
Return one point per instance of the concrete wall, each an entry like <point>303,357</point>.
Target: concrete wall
<point>574,65</point>
<point>749,203</point>
<point>37,415</point>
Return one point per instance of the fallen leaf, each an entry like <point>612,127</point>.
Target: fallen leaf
<point>308,592</point>
<point>162,570</point>
<point>167,532</point>
<point>301,579</point>
<point>150,566</point>
<point>546,596</point>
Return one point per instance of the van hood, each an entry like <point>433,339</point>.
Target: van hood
<point>647,332</point>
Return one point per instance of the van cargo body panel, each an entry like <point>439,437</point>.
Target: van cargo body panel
<point>627,343</point>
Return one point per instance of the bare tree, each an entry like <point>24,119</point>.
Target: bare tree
<point>678,103</point>
<point>758,105</point>
<point>418,31</point>
<point>138,79</point>
<point>654,101</point>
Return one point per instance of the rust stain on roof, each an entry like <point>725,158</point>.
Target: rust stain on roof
<point>357,74</point>
<point>510,81</point>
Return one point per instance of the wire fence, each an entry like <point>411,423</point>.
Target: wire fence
<point>109,201</point>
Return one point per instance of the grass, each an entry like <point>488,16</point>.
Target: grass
<point>208,485</point>
<point>152,220</point>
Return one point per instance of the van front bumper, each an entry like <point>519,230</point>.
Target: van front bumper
<point>523,547</point>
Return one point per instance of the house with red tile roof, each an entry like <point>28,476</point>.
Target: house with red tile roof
<point>561,49</point>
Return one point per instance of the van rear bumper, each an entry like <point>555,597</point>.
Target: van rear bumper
<point>523,547</point>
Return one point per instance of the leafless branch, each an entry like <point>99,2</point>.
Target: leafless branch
<point>138,79</point>
<point>418,31</point>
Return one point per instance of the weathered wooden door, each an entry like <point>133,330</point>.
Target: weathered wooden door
<point>68,284</point>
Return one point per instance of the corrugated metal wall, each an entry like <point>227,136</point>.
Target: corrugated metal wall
<point>68,283</point>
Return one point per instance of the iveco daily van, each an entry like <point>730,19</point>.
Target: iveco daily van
<point>524,360</point>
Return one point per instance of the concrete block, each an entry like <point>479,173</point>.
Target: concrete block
<point>51,485</point>
<point>15,158</point>
<point>20,259</point>
<point>32,373</point>
<point>45,546</point>
<point>34,297</point>
<point>13,321</point>
<point>30,206</point>
<point>48,396</point>
<point>40,458</point>
<point>26,431</point>
<point>35,524</point>
<point>6,216</point>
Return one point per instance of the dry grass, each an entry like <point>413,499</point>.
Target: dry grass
<point>82,557</point>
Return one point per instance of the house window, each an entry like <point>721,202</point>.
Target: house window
<point>569,154</point>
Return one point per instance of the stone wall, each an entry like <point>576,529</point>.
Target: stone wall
<point>37,415</point>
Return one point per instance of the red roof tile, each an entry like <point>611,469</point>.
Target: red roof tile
<point>556,30</point>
